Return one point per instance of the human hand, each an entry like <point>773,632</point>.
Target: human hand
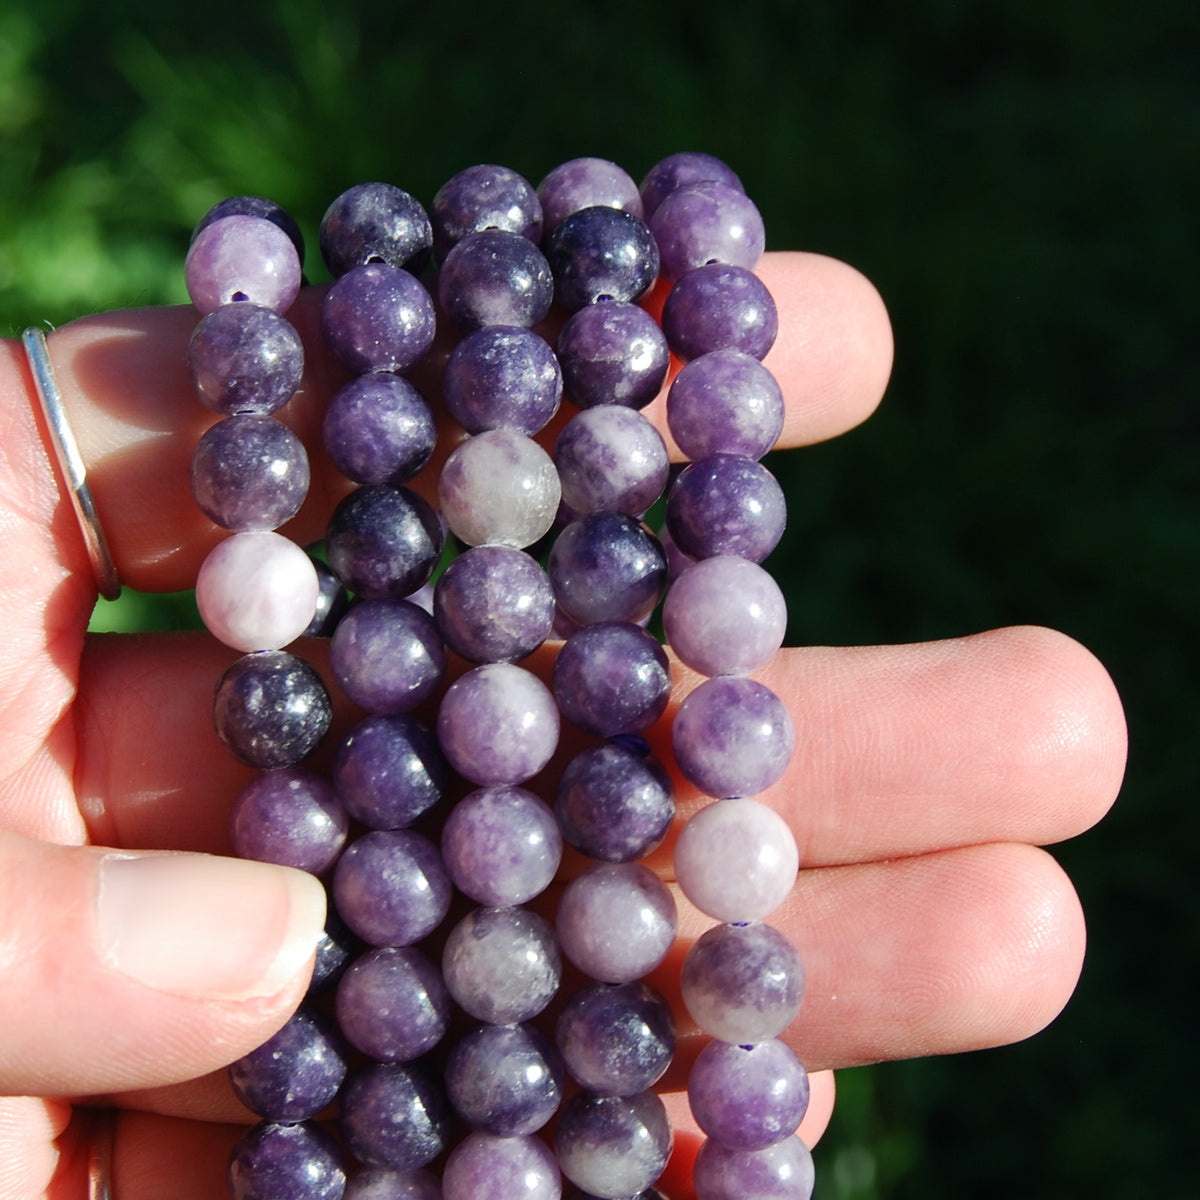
<point>924,776</point>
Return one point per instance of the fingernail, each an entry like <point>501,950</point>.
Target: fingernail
<point>194,924</point>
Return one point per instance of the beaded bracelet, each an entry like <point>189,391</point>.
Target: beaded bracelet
<point>439,813</point>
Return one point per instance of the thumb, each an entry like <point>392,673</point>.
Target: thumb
<point>124,970</point>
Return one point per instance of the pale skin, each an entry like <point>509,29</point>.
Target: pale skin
<point>925,778</point>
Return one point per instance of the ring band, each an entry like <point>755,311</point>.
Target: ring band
<point>70,462</point>
<point>100,1154</point>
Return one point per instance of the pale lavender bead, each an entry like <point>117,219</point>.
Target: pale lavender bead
<point>736,860</point>
<point>502,965</point>
<point>726,504</point>
<point>499,488</point>
<point>616,922</point>
<point>501,845</point>
<point>389,770</point>
<point>732,736</point>
<point>748,1097</point>
<point>502,377</point>
<point>725,616</point>
<point>387,655</point>
<point>707,222</point>
<point>242,259</point>
<point>719,307</point>
<point>244,358</point>
<point>498,724</point>
<point>613,1146</point>
<point>584,183</point>
<point>486,1167</point>
<point>257,591</point>
<point>611,459</point>
<point>742,983</point>
<point>678,170</point>
<point>292,817</point>
<point>392,1004</point>
<point>378,318</point>
<point>286,1162</point>
<point>783,1171</point>
<point>484,197</point>
<point>379,1183</point>
<point>378,429</point>
<point>394,1115</point>
<point>725,402</point>
<point>495,278</point>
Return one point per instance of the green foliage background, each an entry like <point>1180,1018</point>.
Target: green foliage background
<point>1020,180</point>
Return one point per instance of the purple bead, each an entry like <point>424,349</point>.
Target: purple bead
<point>242,259</point>
<point>612,353</point>
<point>389,770</point>
<point>484,197</point>
<point>394,1115</point>
<point>286,1162</point>
<point>611,678</point>
<point>726,504</point>
<point>336,947</point>
<point>783,1171</point>
<point>375,223</point>
<point>387,656</point>
<point>383,542</point>
<point>748,1097</point>
<point>390,887</point>
<point>616,922</point>
<point>613,1146</point>
<point>601,253</point>
<point>378,1183</point>
<point>742,983</point>
<point>719,307</point>
<point>611,459</point>
<point>244,358</point>
<point>249,472</point>
<point>392,1004</point>
<point>502,377</point>
<point>707,222</point>
<point>501,845</point>
<point>378,429</point>
<point>271,709</point>
<point>486,1167</point>
<point>584,183</point>
<point>607,567</point>
<point>502,965</point>
<point>332,602</point>
<point>732,736</point>
<point>495,278</point>
<point>498,724</point>
<point>614,803</point>
<point>616,1041</point>
<point>378,318</point>
<point>494,604</point>
<point>504,1079</point>
<point>680,169</point>
<point>725,402</point>
<point>291,817</point>
<point>254,206</point>
<point>294,1074</point>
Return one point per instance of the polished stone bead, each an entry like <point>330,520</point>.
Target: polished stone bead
<point>719,307</point>
<point>484,197</point>
<point>495,278</point>
<point>375,222</point>
<point>286,1162</point>
<point>502,377</point>
<point>611,459</point>
<point>378,429</point>
<point>612,353</point>
<point>601,254</point>
<point>332,601</point>
<point>378,318</point>
<point>394,1115</point>
<point>244,358</point>
<point>254,206</point>
<point>389,770</point>
<point>387,656</point>
<point>583,183</point>
<point>726,504</point>
<point>613,1146</point>
<point>486,1167</point>
<point>707,222</point>
<point>292,817</point>
<point>783,1171</point>
<point>242,259</point>
<point>678,170</point>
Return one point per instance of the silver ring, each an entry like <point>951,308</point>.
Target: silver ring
<point>100,1154</point>
<point>70,462</point>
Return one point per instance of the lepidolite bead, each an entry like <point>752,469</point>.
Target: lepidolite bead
<point>707,222</point>
<point>389,770</point>
<point>379,1183</point>
<point>601,253</point>
<point>394,1115</point>
<point>378,429</point>
<point>495,278</point>
<point>720,307</point>
<point>612,353</point>
<point>244,358</point>
<point>378,318</point>
<point>387,655</point>
<point>286,1162</point>
<point>680,169</point>
<point>611,459</point>
<point>292,817</point>
<point>613,1146</point>
<point>502,377</point>
<point>582,183</point>
<point>254,206</point>
<point>484,197</point>
<point>375,222</point>
<point>242,259</point>
<point>484,1166</point>
<point>783,1171</point>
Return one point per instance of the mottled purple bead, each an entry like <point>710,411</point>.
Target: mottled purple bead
<point>271,709</point>
<point>501,845</point>
<point>612,677</point>
<point>254,206</point>
<point>614,803</point>
<point>494,604</point>
<point>607,567</point>
<point>292,817</point>
<point>502,965</point>
<point>295,1073</point>
<point>495,278</point>
<point>332,602</point>
<point>616,1040</point>
<point>742,983</point>
<point>378,1183</point>
<point>486,1167</point>
<point>585,183</point>
<point>611,459</point>
<point>707,222</point>
<point>286,1162</point>
<point>504,1079</point>
<point>616,922</point>
<point>484,197</point>
<point>601,253</point>
<point>394,1115</point>
<point>387,656</point>
<point>612,353</point>
<point>375,222</point>
<point>383,542</point>
<point>336,947</point>
<point>390,887</point>
<point>378,318</point>
<point>719,307</point>
<point>502,377</point>
<point>783,1171</point>
<point>748,1097</point>
<point>725,402</point>
<point>732,736</point>
<point>389,770</point>
<point>378,429</point>
<point>244,358</point>
<point>392,1004</point>
<point>613,1146</point>
<point>242,259</point>
<point>726,504</point>
<point>680,169</point>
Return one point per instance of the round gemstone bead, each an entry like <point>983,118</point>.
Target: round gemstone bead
<point>612,353</point>
<point>286,1162</point>
<point>378,429</point>
<point>378,318</point>
<point>680,169</point>
<point>783,1171</point>
<point>707,222</point>
<point>742,983</point>
<point>242,259</point>
<point>726,504</point>
<point>495,278</point>
<point>291,817</point>
<point>336,947</point>
<point>499,488</point>
<point>601,253</point>
<point>254,206</point>
<point>244,358</point>
<point>389,770</point>
<point>378,1183</point>
<point>375,223</point>
<point>484,1166</point>
<point>484,197</point>
<point>394,1115</point>
<point>719,307</point>
<point>732,736</point>
<point>332,601</point>
<point>611,459</point>
<point>613,1146</point>
<point>585,183</point>
<point>502,377</point>
<point>387,655</point>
